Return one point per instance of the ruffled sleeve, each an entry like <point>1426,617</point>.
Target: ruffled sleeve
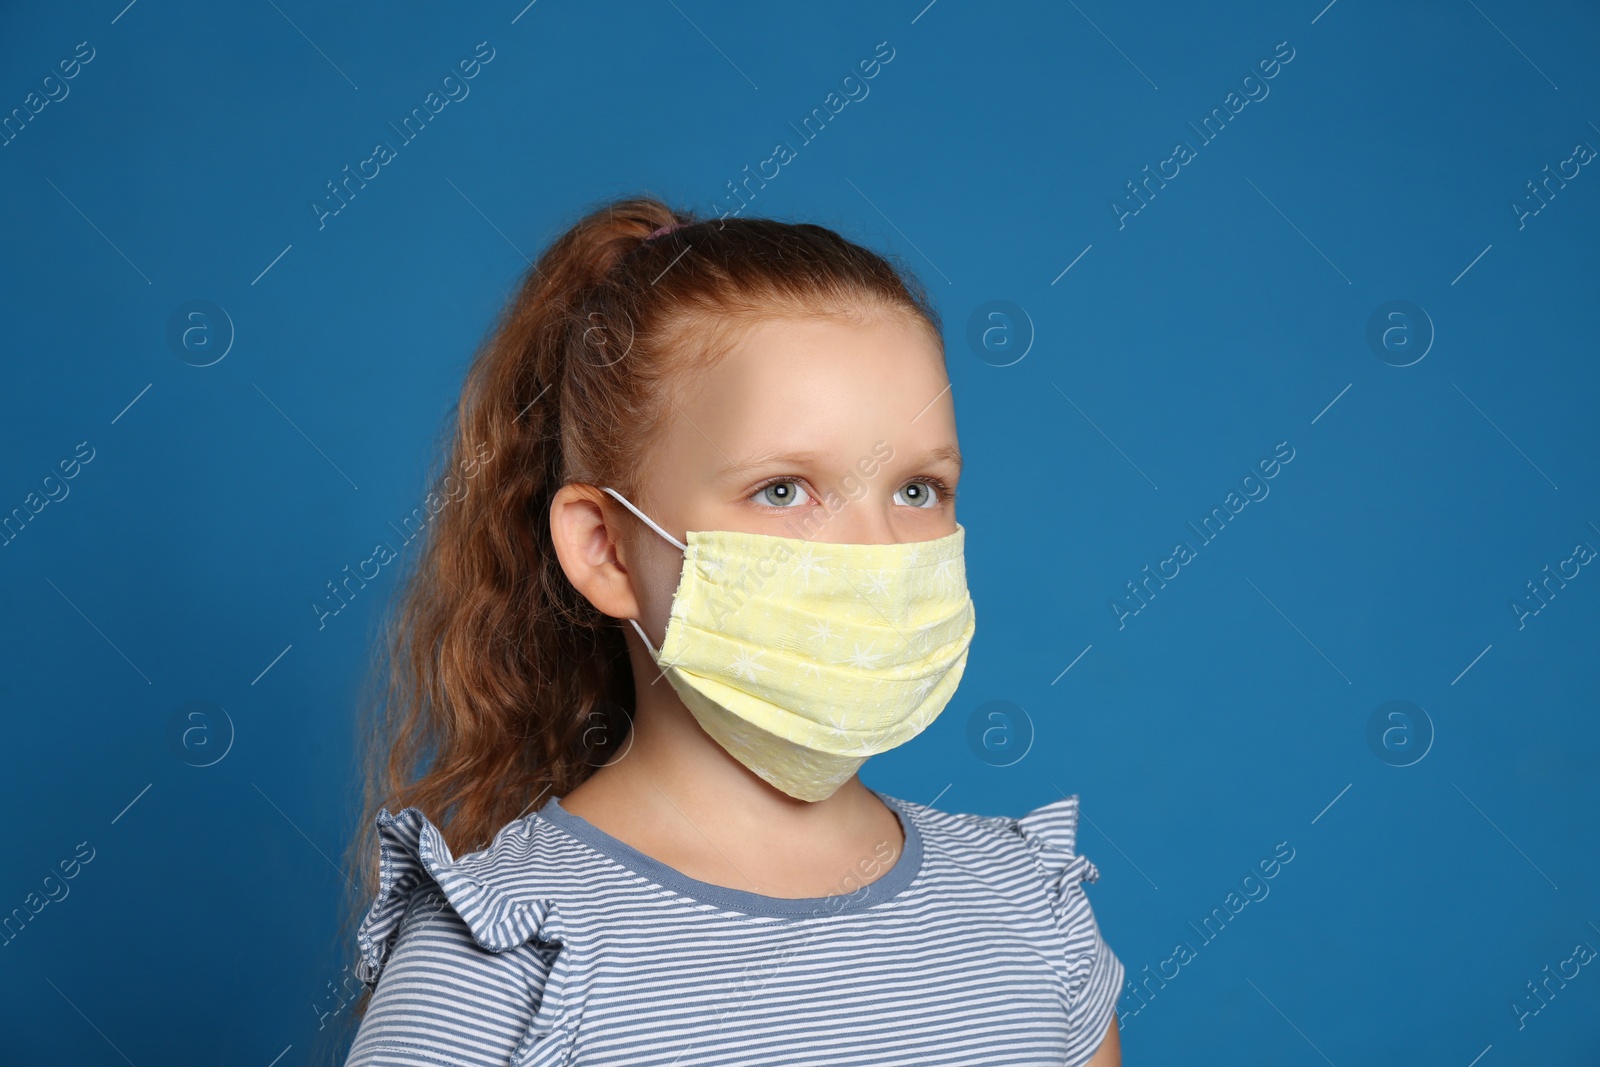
<point>1092,972</point>
<point>443,943</point>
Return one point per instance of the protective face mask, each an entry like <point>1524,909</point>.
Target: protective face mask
<point>804,658</point>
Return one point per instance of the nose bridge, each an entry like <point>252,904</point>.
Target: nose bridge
<point>863,519</point>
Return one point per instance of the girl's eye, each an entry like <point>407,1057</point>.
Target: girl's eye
<point>923,493</point>
<point>781,494</point>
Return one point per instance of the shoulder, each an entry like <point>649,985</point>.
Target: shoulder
<point>460,951</point>
<point>503,894</point>
<point>1043,843</point>
<point>1046,835</point>
<point>443,998</point>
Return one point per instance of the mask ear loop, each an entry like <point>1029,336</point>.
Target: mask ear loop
<point>652,524</point>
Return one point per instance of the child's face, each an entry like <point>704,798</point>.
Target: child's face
<point>815,428</point>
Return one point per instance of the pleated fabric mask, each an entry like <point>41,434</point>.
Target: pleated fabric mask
<point>804,658</point>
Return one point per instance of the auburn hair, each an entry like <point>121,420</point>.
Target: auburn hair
<point>498,684</point>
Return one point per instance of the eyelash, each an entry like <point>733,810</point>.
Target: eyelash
<point>947,493</point>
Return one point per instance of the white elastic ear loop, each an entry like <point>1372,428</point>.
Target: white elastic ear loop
<point>652,524</point>
<point>646,640</point>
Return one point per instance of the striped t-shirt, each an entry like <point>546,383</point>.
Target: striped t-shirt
<point>560,944</point>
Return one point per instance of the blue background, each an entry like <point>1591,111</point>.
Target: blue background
<point>1185,342</point>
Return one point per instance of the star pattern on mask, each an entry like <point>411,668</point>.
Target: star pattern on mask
<point>806,563</point>
<point>864,658</point>
<point>744,665</point>
<point>917,643</point>
<point>877,583</point>
<point>835,717</point>
<point>822,630</point>
<point>944,573</point>
<point>924,686</point>
<point>713,569</point>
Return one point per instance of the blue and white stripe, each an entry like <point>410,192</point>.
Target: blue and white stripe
<point>559,944</point>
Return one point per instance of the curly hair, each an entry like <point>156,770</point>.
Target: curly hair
<point>500,683</point>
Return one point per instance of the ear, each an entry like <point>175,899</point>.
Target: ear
<point>590,551</point>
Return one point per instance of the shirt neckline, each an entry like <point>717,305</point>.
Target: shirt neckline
<point>882,889</point>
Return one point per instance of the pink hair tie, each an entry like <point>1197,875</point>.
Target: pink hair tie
<point>668,228</point>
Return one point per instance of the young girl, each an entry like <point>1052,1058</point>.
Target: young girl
<point>706,563</point>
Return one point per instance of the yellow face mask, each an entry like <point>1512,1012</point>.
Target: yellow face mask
<point>804,658</point>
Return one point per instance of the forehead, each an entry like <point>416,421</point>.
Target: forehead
<point>824,376</point>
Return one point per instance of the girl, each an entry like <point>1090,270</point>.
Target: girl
<point>706,564</point>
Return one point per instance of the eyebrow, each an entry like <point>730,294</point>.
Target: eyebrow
<point>947,453</point>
